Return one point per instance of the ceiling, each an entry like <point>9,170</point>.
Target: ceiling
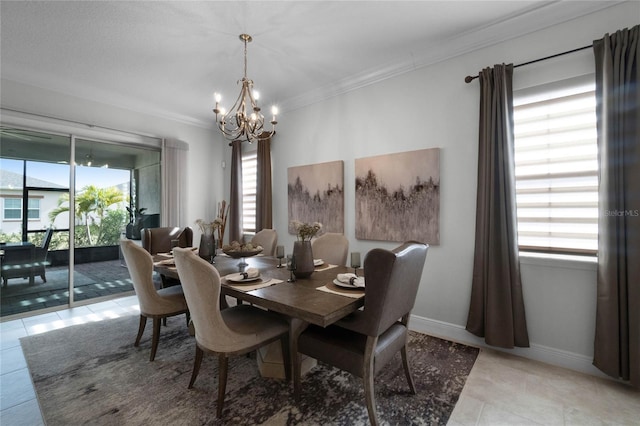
<point>166,58</point>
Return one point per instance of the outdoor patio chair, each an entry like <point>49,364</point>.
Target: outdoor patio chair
<point>26,261</point>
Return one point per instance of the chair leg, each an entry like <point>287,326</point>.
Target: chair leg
<point>296,327</point>
<point>367,378</point>
<point>223,302</point>
<point>196,365</point>
<point>286,356</point>
<point>155,338</point>
<point>407,370</point>
<point>44,278</point>
<point>143,323</point>
<point>223,364</point>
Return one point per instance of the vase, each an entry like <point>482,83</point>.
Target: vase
<point>207,248</point>
<point>304,259</point>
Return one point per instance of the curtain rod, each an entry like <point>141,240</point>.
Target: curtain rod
<point>469,79</point>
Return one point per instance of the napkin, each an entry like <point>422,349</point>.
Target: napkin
<point>352,279</point>
<point>249,273</point>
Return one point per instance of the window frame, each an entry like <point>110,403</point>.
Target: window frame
<point>5,208</point>
<point>31,209</point>
<point>249,192</point>
<point>578,228</point>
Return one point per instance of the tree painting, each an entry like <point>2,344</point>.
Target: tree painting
<point>316,194</point>
<point>398,197</point>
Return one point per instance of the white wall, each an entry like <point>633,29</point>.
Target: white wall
<point>206,150</point>
<point>433,107</point>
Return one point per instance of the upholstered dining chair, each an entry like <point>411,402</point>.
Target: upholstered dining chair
<point>158,240</point>
<point>236,330</point>
<point>331,247</point>
<point>155,304</point>
<point>268,239</point>
<point>365,341</point>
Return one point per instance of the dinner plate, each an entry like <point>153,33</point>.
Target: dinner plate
<point>318,262</point>
<point>237,278</point>
<point>346,285</point>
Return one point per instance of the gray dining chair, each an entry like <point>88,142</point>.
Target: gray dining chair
<point>236,330</point>
<point>331,247</point>
<point>155,304</point>
<point>268,239</point>
<point>158,240</point>
<point>365,341</point>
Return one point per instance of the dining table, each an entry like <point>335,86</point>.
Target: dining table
<point>312,300</point>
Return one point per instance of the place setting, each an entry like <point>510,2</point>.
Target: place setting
<point>250,279</point>
<point>347,284</point>
<point>321,265</point>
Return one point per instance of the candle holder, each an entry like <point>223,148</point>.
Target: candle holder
<point>280,255</point>
<point>291,266</point>
<point>355,262</point>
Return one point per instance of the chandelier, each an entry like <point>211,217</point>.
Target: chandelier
<point>244,121</point>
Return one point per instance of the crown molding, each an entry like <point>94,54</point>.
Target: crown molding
<point>537,18</point>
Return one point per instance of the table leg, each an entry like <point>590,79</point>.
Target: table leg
<point>269,358</point>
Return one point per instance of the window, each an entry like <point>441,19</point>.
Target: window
<point>556,166</point>
<point>249,191</point>
<point>13,208</point>
<point>33,211</point>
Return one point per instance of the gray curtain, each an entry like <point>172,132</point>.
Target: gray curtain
<point>174,183</point>
<point>235,196</point>
<point>264,211</point>
<point>617,338</point>
<point>496,310</point>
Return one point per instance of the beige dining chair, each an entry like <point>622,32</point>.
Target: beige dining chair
<point>155,304</point>
<point>268,239</point>
<point>365,341</point>
<point>236,330</point>
<point>331,247</point>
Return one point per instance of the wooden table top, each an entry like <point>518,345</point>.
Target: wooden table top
<point>299,299</point>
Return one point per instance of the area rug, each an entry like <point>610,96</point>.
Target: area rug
<point>92,374</point>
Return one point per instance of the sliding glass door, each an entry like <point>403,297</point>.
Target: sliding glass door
<point>34,175</point>
<point>87,207</point>
<point>112,183</point>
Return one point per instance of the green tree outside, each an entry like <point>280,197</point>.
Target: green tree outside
<point>101,224</point>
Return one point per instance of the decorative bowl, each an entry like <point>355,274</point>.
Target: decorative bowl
<point>237,254</point>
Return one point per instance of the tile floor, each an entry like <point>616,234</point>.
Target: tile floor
<point>501,389</point>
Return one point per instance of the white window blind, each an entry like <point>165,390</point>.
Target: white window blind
<point>249,190</point>
<point>556,167</point>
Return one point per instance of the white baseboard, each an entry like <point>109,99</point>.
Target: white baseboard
<point>548,355</point>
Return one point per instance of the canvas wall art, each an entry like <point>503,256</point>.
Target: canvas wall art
<point>316,194</point>
<point>398,197</point>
